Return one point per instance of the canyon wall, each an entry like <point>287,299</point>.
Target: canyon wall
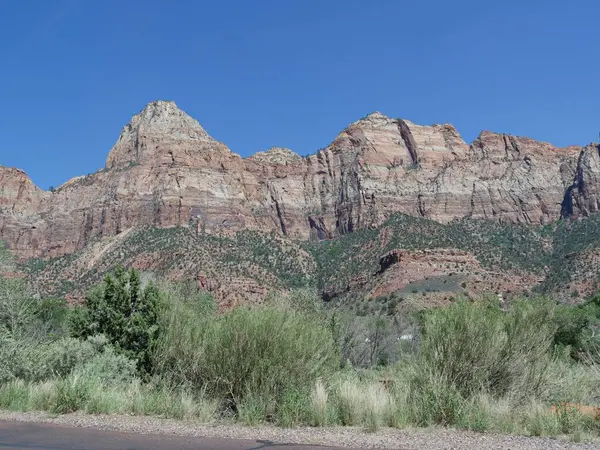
<point>166,170</point>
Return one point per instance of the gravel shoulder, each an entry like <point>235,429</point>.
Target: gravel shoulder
<point>413,439</point>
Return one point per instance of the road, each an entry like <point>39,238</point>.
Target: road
<point>37,436</point>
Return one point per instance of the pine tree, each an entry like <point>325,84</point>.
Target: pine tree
<point>125,313</point>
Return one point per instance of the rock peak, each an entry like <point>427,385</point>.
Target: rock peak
<point>377,114</point>
<point>165,117</point>
<point>277,155</point>
<point>373,119</point>
<point>159,122</point>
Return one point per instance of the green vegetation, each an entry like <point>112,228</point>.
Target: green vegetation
<point>165,350</point>
<point>123,312</point>
<point>559,255</point>
<point>496,246</point>
<point>474,347</point>
<point>243,354</point>
<point>265,258</point>
<point>577,329</point>
<point>568,261</point>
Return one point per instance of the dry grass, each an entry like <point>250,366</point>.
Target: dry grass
<point>319,398</point>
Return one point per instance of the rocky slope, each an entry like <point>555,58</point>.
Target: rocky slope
<point>406,259</point>
<point>165,170</point>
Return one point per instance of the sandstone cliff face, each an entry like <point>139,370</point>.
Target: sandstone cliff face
<point>165,170</point>
<point>583,196</point>
<point>20,205</point>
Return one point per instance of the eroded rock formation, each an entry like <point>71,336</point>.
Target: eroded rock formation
<point>165,170</point>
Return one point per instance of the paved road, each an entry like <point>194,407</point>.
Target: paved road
<point>37,436</point>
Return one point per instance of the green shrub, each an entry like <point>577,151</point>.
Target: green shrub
<point>64,355</point>
<point>18,308</point>
<point>577,328</point>
<point>108,367</point>
<point>476,347</point>
<point>571,381</point>
<point>253,409</point>
<point>435,401</point>
<point>18,358</point>
<point>263,351</point>
<point>293,408</point>
<point>38,361</point>
<point>53,317</point>
<point>125,313</point>
<point>71,394</point>
<point>266,351</point>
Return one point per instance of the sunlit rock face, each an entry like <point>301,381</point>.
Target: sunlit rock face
<point>165,170</point>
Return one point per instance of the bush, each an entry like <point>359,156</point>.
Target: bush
<point>259,352</point>
<point>476,347</point>
<point>61,357</point>
<point>38,361</point>
<point>265,351</point>
<point>435,401</point>
<point>577,328</point>
<point>53,317</point>
<point>108,367</point>
<point>18,358</point>
<point>125,313</point>
<point>370,341</point>
<point>18,308</point>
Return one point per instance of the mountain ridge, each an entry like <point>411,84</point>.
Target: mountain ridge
<point>165,170</point>
<point>376,114</point>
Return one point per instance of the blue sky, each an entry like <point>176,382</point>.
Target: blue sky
<point>291,73</point>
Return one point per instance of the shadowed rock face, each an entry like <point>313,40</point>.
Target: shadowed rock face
<point>583,196</point>
<point>165,170</point>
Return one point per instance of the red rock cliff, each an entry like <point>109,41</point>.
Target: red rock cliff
<point>165,170</point>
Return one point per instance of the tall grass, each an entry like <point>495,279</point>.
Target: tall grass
<point>80,393</point>
<point>318,402</point>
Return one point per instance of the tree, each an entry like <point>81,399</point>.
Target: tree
<point>125,313</point>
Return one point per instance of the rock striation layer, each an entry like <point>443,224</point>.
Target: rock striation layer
<point>165,171</point>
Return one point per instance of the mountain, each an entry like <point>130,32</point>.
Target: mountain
<point>166,172</point>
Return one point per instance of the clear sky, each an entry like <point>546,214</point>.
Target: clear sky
<point>292,73</point>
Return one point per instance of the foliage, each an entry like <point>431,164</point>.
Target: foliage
<point>87,393</point>
<point>6,260</point>
<point>470,365</point>
<point>496,246</point>
<point>244,352</point>
<point>578,326</point>
<point>296,361</point>
<point>125,313</point>
<point>476,347</point>
<point>18,307</point>
<point>371,341</point>
<point>331,266</point>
